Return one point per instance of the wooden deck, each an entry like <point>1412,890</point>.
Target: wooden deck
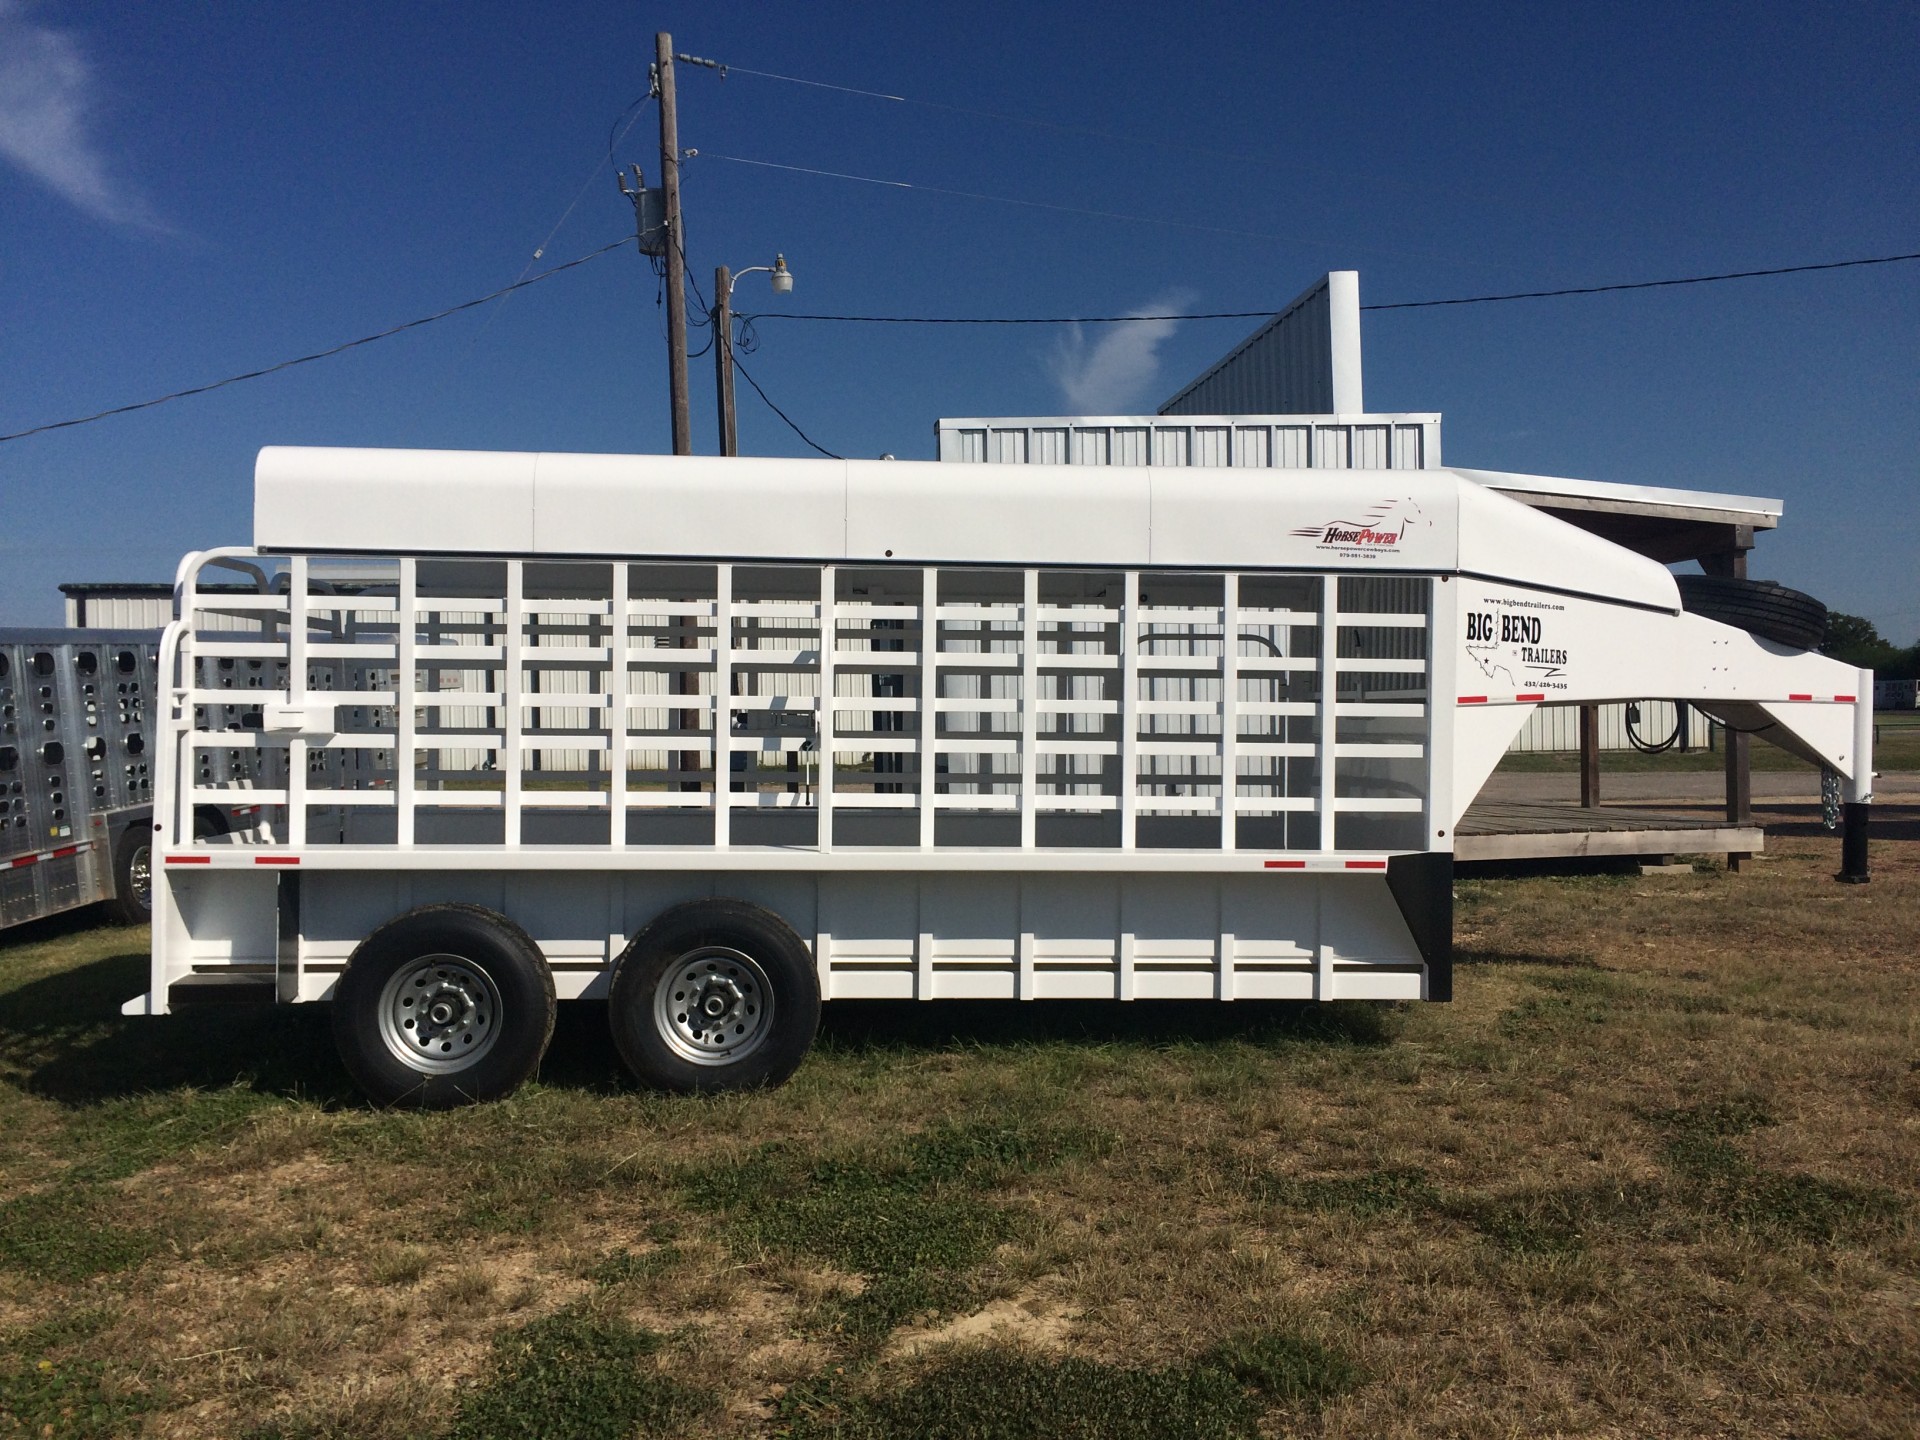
<point>1509,830</point>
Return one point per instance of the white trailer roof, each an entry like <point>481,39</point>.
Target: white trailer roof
<point>523,503</point>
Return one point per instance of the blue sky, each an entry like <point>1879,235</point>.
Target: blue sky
<point>188,191</point>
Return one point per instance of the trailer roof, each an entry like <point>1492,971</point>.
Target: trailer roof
<point>525,503</point>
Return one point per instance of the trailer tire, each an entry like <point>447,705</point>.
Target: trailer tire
<point>714,995</point>
<point>467,979</point>
<point>132,902</point>
<point>1760,607</point>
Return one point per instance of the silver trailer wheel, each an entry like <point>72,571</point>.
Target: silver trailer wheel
<point>439,1014</point>
<point>140,876</point>
<point>713,1006</point>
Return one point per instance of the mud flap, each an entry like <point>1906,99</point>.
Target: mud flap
<point>1422,886</point>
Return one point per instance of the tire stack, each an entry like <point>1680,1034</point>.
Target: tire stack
<point>1760,607</point>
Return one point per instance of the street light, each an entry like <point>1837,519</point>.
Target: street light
<point>723,282</point>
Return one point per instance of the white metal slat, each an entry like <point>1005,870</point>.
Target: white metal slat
<point>616,711</point>
<point>824,789</point>
<point>1029,714</point>
<point>513,682</point>
<point>1329,643</point>
<point>723,707</point>
<point>297,686</point>
<point>1129,716</point>
<point>1229,717</point>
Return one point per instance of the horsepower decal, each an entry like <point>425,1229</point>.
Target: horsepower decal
<point>1380,530</point>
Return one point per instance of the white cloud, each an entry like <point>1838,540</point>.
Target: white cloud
<point>48,95</point>
<point>1116,372</point>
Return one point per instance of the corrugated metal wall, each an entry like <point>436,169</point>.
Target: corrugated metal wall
<point>1288,442</point>
<point>119,612</point>
<point>1304,361</point>
<point>1557,727</point>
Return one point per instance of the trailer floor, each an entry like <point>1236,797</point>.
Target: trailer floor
<point>1519,830</point>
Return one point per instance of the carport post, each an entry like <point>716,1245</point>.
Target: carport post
<point>1589,755</point>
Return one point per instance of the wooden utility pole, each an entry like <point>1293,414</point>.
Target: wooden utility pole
<point>676,247</point>
<point>723,358</point>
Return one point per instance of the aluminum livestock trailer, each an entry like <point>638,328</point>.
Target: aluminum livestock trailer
<point>718,740</point>
<point>76,782</point>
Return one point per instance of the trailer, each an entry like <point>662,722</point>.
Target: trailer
<point>717,741</point>
<point>76,771</point>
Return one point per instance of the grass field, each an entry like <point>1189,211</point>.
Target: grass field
<point>1653,1173</point>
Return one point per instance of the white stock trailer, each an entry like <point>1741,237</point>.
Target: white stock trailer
<point>716,740</point>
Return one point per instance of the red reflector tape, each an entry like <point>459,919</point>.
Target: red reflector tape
<point>276,859</point>
<point>1286,864</point>
<point>1799,697</point>
<point>1473,699</point>
<point>63,853</point>
<point>1366,864</point>
<point>189,859</point>
<point>1843,699</point>
<point>1532,695</point>
<point>22,862</point>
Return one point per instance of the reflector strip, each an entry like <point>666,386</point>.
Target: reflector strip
<point>1366,864</point>
<point>276,859</point>
<point>1532,695</point>
<point>1799,697</point>
<point>189,859</point>
<point>20,862</point>
<point>1286,864</point>
<point>1843,699</point>
<point>1473,699</point>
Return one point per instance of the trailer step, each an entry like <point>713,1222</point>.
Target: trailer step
<point>221,990</point>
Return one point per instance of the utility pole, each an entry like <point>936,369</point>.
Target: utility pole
<point>723,358</point>
<point>676,257</point>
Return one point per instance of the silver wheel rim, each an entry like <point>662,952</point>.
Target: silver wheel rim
<point>439,1014</point>
<point>713,1006</point>
<point>140,877</point>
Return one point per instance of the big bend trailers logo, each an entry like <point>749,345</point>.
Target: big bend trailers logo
<point>1379,531</point>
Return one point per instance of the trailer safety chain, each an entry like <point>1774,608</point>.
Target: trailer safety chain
<point>1830,799</point>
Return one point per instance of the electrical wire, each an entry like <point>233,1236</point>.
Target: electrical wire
<point>746,375</point>
<point>635,109</point>
<point>318,354</point>
<point>1009,200</point>
<point>1268,314</point>
<point>1647,747</point>
<point>1000,115</point>
<point>686,272</point>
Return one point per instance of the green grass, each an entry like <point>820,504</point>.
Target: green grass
<point>996,1394</point>
<point>65,1234</point>
<point>909,1217</point>
<point>579,1375</point>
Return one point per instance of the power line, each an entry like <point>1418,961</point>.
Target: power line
<point>1268,314</point>
<point>1009,200</point>
<point>1000,115</point>
<point>747,375</point>
<point>1647,284</point>
<point>318,354</point>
